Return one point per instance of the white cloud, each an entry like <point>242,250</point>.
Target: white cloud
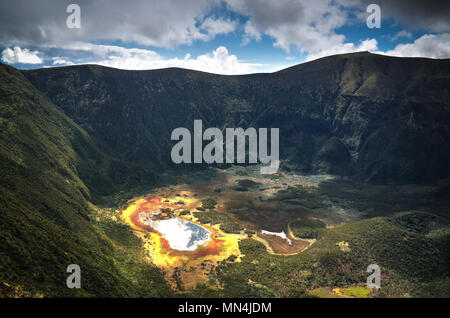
<point>218,26</point>
<point>250,33</point>
<point>18,55</point>
<point>297,26</point>
<point>61,61</point>
<point>401,35</point>
<point>310,27</point>
<point>306,26</point>
<point>370,45</point>
<point>108,51</point>
<point>219,61</point>
<point>429,45</point>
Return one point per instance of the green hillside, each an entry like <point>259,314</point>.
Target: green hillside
<point>412,264</point>
<point>44,212</point>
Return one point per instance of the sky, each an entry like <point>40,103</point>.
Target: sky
<point>223,37</point>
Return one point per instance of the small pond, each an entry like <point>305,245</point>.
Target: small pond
<point>182,235</point>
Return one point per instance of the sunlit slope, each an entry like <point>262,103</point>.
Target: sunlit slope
<point>414,263</point>
<point>44,222</point>
<point>382,119</point>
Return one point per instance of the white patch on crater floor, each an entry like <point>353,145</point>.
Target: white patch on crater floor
<point>280,234</point>
<point>182,235</point>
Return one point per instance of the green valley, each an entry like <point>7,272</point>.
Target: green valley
<point>85,170</point>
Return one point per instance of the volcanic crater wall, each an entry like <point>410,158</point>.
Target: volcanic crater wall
<point>378,118</point>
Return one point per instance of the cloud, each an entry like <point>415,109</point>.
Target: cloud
<point>168,23</point>
<point>429,45</point>
<point>431,15</point>
<point>20,56</point>
<point>401,35</point>
<point>219,61</point>
<point>308,27</point>
<point>370,45</point>
<point>61,61</point>
<point>218,26</point>
<point>250,33</point>
<point>304,25</point>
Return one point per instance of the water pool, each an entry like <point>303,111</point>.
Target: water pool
<point>182,235</point>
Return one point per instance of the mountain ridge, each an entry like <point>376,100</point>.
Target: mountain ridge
<point>343,55</point>
<point>343,106</point>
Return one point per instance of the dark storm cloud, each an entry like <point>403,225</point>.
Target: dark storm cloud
<point>161,23</point>
<point>268,12</point>
<point>26,20</point>
<point>430,15</point>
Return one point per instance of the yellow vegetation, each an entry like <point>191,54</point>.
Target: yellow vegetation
<point>221,246</point>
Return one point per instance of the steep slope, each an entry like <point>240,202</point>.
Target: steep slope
<point>44,212</point>
<point>392,114</point>
<point>380,118</point>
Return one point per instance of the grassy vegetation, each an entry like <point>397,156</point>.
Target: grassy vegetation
<point>306,196</point>
<point>130,259</point>
<point>246,183</point>
<point>419,222</point>
<point>324,292</point>
<point>44,211</point>
<point>185,212</point>
<point>306,228</point>
<point>9,291</point>
<point>411,264</point>
<point>356,291</point>
<point>209,203</point>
